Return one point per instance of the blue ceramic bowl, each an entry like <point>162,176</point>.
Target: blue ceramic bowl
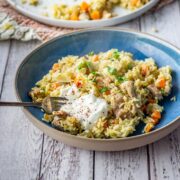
<point>38,63</point>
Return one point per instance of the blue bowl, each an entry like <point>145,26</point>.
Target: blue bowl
<point>38,63</point>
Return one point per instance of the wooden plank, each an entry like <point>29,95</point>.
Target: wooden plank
<point>133,24</point>
<point>122,165</point>
<point>4,51</point>
<point>165,22</point>
<point>60,161</point>
<point>164,155</point>
<point>20,141</point>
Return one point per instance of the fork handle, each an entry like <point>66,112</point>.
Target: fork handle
<point>24,104</point>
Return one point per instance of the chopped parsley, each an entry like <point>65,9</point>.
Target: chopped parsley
<point>95,73</point>
<point>162,91</point>
<point>130,66</point>
<point>104,89</point>
<point>81,65</point>
<point>94,80</point>
<point>91,53</point>
<point>116,54</point>
<point>87,65</point>
<point>112,71</point>
<point>121,79</point>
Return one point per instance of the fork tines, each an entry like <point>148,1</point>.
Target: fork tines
<point>58,98</point>
<point>57,102</point>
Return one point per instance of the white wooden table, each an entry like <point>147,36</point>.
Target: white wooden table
<point>26,153</point>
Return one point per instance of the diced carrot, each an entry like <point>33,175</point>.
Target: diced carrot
<point>79,84</point>
<point>78,81</point>
<point>134,2</point>
<point>161,83</point>
<point>55,67</point>
<point>74,17</point>
<point>108,92</point>
<point>95,15</point>
<point>148,127</point>
<point>55,85</point>
<point>144,70</point>
<point>156,115</point>
<point>84,6</point>
<point>95,58</point>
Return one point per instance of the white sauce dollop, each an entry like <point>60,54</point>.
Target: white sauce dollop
<point>87,108</point>
<point>70,92</point>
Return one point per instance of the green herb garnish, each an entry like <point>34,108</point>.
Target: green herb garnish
<point>87,65</point>
<point>94,80</point>
<point>91,53</point>
<point>130,66</point>
<point>116,54</point>
<point>95,73</point>
<point>121,79</point>
<point>162,91</point>
<point>81,65</point>
<point>104,89</point>
<point>112,71</point>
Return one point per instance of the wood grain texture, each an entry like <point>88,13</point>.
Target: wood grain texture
<point>165,21</point>
<point>164,155</point>
<point>133,24</point>
<point>4,52</point>
<point>20,141</point>
<point>121,165</point>
<point>60,161</point>
<point>126,164</point>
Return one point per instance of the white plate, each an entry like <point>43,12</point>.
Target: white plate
<point>123,15</point>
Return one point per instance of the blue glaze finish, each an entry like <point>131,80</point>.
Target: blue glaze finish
<point>142,46</point>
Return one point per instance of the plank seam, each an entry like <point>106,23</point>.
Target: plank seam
<point>40,165</point>
<point>147,147</point>
<point>179,6</point>
<point>4,74</point>
<point>148,162</point>
<point>94,156</point>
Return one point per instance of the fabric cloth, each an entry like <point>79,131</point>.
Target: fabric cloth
<point>20,27</point>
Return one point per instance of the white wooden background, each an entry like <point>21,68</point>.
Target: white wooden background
<point>26,153</point>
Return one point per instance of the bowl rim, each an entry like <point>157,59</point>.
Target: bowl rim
<point>42,126</point>
<point>29,13</point>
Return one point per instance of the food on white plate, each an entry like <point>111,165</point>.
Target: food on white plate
<point>84,9</point>
<point>108,93</point>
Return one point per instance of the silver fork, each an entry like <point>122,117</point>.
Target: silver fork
<point>49,104</point>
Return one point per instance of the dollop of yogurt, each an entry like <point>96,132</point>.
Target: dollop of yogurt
<point>87,109</point>
<point>70,92</point>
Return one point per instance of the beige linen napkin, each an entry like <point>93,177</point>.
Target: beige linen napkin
<point>14,25</point>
